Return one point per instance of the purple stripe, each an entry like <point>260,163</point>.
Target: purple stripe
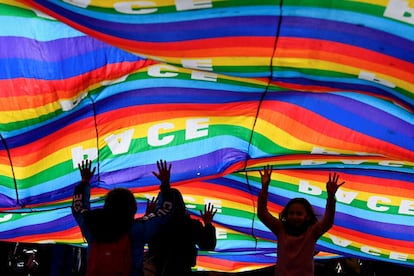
<point>374,228</point>
<point>373,114</point>
<point>171,31</point>
<point>60,194</point>
<point>350,33</point>
<point>61,224</point>
<point>51,51</point>
<point>7,202</point>
<point>212,165</point>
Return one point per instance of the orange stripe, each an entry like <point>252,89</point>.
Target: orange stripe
<point>70,235</point>
<point>214,47</point>
<point>59,89</point>
<point>345,55</point>
<point>294,120</point>
<point>359,183</point>
<point>375,241</point>
<point>83,130</point>
<point>222,265</point>
<point>219,46</point>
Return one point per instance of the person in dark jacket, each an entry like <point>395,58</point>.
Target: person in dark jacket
<point>115,221</point>
<point>174,249</point>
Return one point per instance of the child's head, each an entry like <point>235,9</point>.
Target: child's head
<point>178,201</point>
<point>121,202</point>
<point>297,216</point>
<point>115,218</point>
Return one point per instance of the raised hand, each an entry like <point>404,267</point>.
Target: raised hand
<point>151,204</point>
<point>332,184</point>
<point>163,173</point>
<point>265,177</point>
<point>85,170</point>
<point>208,214</point>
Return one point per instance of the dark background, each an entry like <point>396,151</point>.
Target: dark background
<point>66,260</point>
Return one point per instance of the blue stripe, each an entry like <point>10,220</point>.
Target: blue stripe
<point>205,151</point>
<point>341,84</point>
<point>172,95</point>
<point>206,89</point>
<point>355,115</point>
<point>379,41</point>
<point>395,227</point>
<point>384,106</point>
<point>27,220</point>
<point>11,26</point>
<point>34,132</point>
<point>282,196</point>
<point>62,49</point>
<point>384,25</point>
<point>173,17</point>
<point>381,174</point>
<point>254,26</point>
<point>187,31</point>
<point>63,69</point>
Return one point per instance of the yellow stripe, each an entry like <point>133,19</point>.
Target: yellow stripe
<point>14,3</point>
<point>58,156</point>
<point>331,66</point>
<point>281,137</point>
<point>111,3</point>
<point>363,196</point>
<point>11,116</point>
<point>385,249</point>
<point>383,3</point>
<point>5,170</point>
<point>244,61</point>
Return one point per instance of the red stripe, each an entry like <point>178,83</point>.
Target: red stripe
<point>60,89</point>
<point>319,49</point>
<point>371,240</point>
<point>315,129</point>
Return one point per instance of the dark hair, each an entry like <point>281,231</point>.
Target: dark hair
<point>109,223</point>
<point>309,211</point>
<point>178,202</point>
<point>121,202</point>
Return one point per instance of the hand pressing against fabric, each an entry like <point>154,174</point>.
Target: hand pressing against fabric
<point>332,184</point>
<point>85,171</point>
<point>208,214</point>
<point>265,178</point>
<point>151,204</point>
<point>163,174</point>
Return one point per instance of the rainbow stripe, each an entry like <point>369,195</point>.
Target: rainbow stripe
<point>219,90</point>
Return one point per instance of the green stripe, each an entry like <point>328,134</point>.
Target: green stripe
<point>353,6</point>
<point>8,10</point>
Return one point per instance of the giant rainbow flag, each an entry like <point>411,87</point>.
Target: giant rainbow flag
<point>219,89</point>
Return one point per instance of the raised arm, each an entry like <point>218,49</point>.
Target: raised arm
<point>274,224</point>
<point>81,196</point>
<point>208,214</point>
<point>159,209</point>
<point>332,186</point>
<point>151,205</point>
<point>208,238</point>
<point>164,198</point>
<point>163,174</point>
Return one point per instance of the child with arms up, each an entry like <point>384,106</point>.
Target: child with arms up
<point>297,229</point>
